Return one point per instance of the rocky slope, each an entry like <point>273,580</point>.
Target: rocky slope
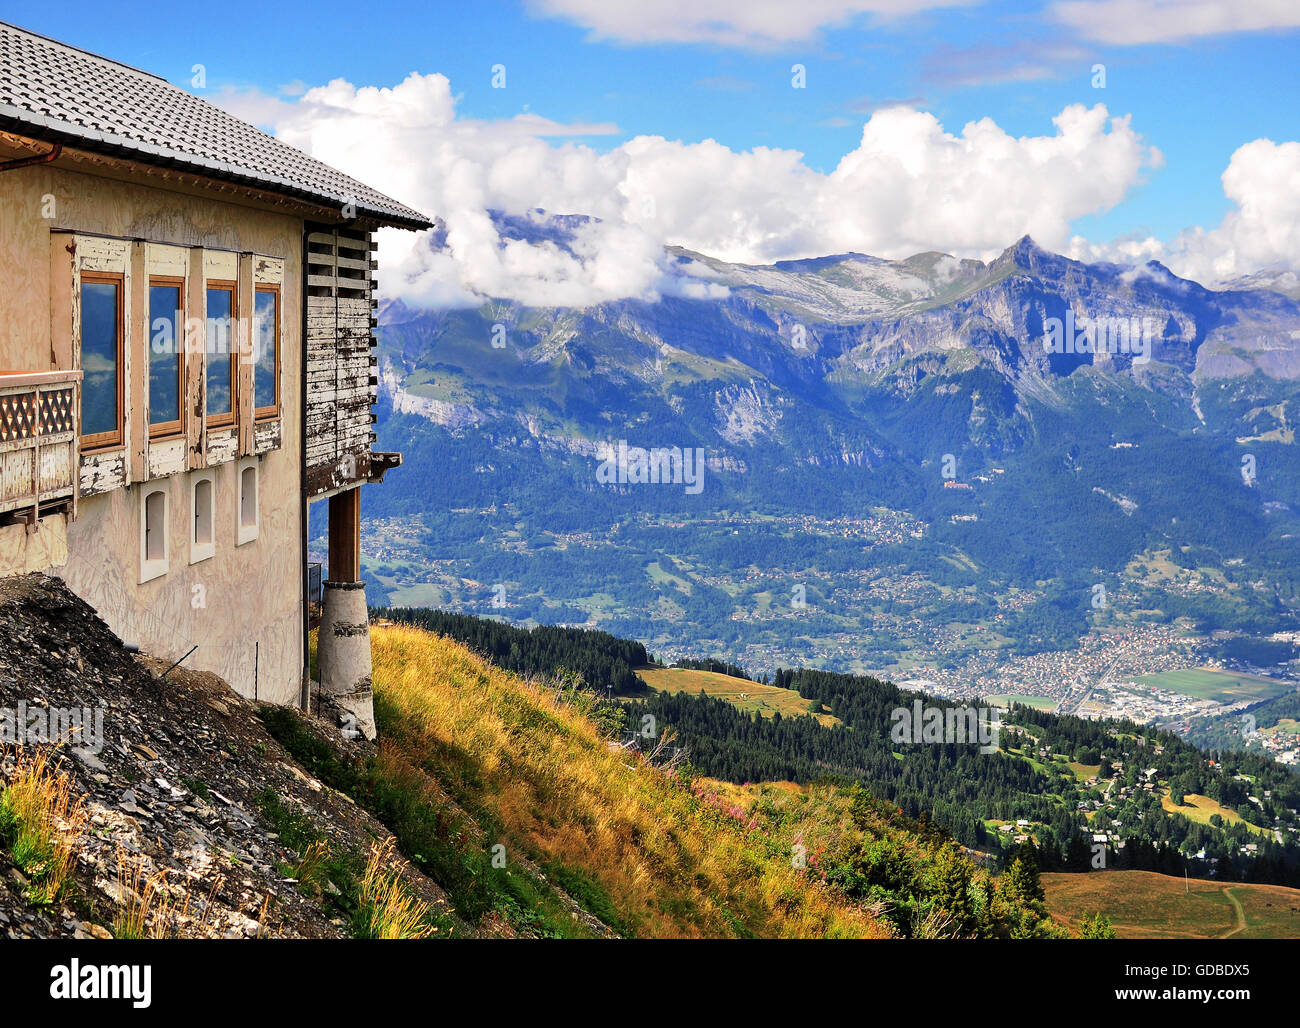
<point>177,794</point>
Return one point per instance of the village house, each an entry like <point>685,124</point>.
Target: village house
<point>186,371</point>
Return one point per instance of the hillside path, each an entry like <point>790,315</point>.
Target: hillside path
<point>1241,914</point>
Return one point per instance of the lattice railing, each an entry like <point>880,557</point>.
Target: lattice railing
<point>18,415</point>
<point>38,439</point>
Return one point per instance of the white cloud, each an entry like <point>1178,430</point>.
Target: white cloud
<point>756,24</point>
<point>1134,22</point>
<point>1262,230</point>
<point>908,186</point>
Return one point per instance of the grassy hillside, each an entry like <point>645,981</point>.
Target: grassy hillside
<point>1145,905</point>
<point>631,842</point>
<point>1201,808</point>
<point>746,695</point>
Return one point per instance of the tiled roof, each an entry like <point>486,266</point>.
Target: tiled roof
<point>55,92</point>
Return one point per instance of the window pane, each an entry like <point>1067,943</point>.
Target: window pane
<point>164,354</point>
<point>221,340</point>
<point>266,317</point>
<point>99,357</point>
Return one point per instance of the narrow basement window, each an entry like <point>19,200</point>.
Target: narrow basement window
<point>248,507</point>
<point>203,542</point>
<point>153,535</point>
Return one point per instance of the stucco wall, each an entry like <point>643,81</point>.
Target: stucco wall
<point>242,606</point>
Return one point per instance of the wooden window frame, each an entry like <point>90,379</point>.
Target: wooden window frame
<point>167,429</point>
<point>222,420</point>
<point>98,441</point>
<point>271,413</point>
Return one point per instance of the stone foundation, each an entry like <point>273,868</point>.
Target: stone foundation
<point>343,655</point>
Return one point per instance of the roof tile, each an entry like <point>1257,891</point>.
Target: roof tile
<point>58,92</point>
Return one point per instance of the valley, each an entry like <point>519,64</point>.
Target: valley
<point>900,479</point>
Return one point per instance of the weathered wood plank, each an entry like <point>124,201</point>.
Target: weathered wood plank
<point>195,383</point>
<point>101,473</point>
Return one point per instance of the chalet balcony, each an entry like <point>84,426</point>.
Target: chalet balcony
<point>38,442</point>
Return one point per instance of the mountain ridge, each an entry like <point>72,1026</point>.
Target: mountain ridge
<point>923,392</point>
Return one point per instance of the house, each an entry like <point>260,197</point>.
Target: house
<point>186,371</point>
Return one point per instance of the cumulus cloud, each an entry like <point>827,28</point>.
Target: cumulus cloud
<point>908,185</point>
<point>755,24</point>
<point>1134,22</point>
<point>1261,231</point>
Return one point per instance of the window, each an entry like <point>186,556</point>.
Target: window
<point>247,528</point>
<point>222,353</point>
<point>166,356</point>
<point>153,535</point>
<point>101,360</point>
<point>203,543</point>
<point>266,353</point>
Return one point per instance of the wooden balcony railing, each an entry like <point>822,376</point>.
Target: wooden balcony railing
<point>38,441</point>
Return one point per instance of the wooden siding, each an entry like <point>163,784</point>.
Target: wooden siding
<point>342,379</point>
<point>38,440</point>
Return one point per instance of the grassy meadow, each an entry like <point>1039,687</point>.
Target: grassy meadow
<point>633,841</point>
<point>746,695</point>
<point>1146,905</point>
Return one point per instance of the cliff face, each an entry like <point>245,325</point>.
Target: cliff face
<point>179,796</point>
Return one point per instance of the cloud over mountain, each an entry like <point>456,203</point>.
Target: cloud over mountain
<point>909,185</point>
<point>1262,230</point>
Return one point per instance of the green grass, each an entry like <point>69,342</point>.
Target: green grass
<point>342,870</point>
<point>439,843</point>
<point>40,821</point>
<point>1221,686</point>
<point>1146,905</point>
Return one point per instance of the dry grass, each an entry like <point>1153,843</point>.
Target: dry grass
<point>144,905</point>
<point>310,871</point>
<point>40,822</point>
<point>389,910</point>
<point>670,864</point>
<point>1146,905</point>
<point>748,696</point>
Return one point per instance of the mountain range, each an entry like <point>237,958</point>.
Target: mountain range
<point>896,445</point>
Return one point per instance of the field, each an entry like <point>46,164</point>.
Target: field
<point>1084,771</point>
<point>1200,808</point>
<point>1006,699</point>
<point>1145,905</point>
<point>747,696</point>
<point>1222,686</point>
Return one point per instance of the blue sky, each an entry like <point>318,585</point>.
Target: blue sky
<point>1196,99</point>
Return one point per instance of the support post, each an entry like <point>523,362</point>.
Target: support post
<point>345,536</point>
<point>343,650</point>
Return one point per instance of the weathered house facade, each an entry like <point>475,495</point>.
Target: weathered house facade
<point>185,367</point>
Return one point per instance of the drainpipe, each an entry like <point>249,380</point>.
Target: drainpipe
<point>27,162</point>
<point>302,477</point>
